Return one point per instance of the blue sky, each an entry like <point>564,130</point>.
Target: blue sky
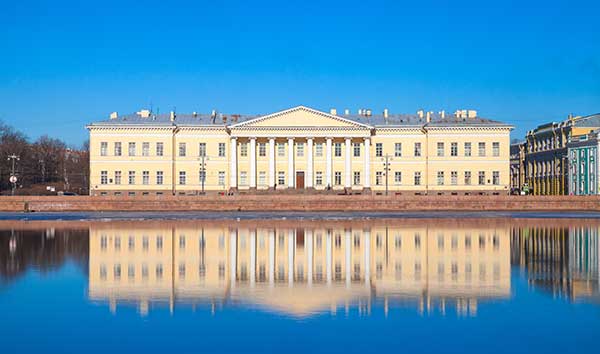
<point>66,63</point>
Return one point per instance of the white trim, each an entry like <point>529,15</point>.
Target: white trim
<point>132,135</point>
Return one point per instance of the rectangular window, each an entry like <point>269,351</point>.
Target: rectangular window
<point>496,149</point>
<point>378,178</point>
<point>481,149</point>
<point>262,178</point>
<point>453,149</point>
<point>300,149</point>
<point>379,149</point>
<point>118,149</point>
<point>131,177</point>
<point>221,149</point>
<point>454,178</point>
<point>280,149</point>
<point>202,149</point>
<point>103,148</point>
<point>243,178</point>
<point>440,178</point>
<point>417,178</point>
<point>356,149</point>
<point>356,178</point>
<point>103,177</point>
<point>337,149</point>
<point>145,149</point>
<point>496,177</point>
<point>159,177</point>
<point>182,177</point>
<point>202,175</point>
<point>481,177</point>
<point>244,149</point>
<point>467,178</point>
<point>440,149</point>
<point>221,178</point>
<point>319,149</point>
<point>262,149</point>
<point>398,177</point>
<point>131,149</point>
<point>160,149</point>
<point>337,178</point>
<point>467,149</point>
<point>398,149</point>
<point>319,178</point>
<point>182,149</point>
<point>417,149</point>
<point>281,178</point>
<point>117,177</point>
<point>146,177</point>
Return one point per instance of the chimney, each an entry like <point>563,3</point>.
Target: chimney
<point>471,113</point>
<point>443,114</point>
<point>144,113</point>
<point>421,113</point>
<point>428,117</point>
<point>172,116</point>
<point>368,112</point>
<point>114,115</point>
<point>333,112</point>
<point>195,114</point>
<point>347,112</point>
<point>385,113</point>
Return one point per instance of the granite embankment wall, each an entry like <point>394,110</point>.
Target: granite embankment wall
<point>299,203</point>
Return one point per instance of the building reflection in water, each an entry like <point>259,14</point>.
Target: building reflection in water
<point>301,270</point>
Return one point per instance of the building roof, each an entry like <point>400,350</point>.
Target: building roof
<point>225,120</point>
<point>591,121</point>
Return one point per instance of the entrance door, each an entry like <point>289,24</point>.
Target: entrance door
<point>299,179</point>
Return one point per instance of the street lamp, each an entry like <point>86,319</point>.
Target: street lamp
<point>203,158</point>
<point>13,177</point>
<point>386,168</point>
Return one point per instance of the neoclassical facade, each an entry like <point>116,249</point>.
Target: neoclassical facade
<point>301,149</point>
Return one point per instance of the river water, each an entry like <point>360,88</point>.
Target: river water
<point>298,283</point>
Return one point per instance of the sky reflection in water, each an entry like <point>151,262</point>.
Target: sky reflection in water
<point>425,285</point>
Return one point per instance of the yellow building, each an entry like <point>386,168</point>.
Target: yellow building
<point>299,148</point>
<point>298,270</point>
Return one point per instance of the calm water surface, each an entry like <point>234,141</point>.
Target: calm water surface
<point>298,285</point>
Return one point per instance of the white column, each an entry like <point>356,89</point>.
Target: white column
<point>252,162</point>
<point>348,166</point>
<point>367,257</point>
<point>271,162</point>
<point>309,255</point>
<point>348,246</point>
<point>233,167</point>
<point>309,164</point>
<point>232,256</point>
<point>271,257</point>
<point>291,244</point>
<point>328,255</point>
<point>252,258</point>
<point>367,169</point>
<point>291,163</point>
<point>328,157</point>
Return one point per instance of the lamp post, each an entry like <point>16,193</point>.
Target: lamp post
<point>13,178</point>
<point>386,168</point>
<point>203,158</point>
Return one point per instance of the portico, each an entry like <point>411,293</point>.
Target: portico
<point>311,150</point>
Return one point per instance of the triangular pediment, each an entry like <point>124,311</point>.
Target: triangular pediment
<point>300,116</point>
